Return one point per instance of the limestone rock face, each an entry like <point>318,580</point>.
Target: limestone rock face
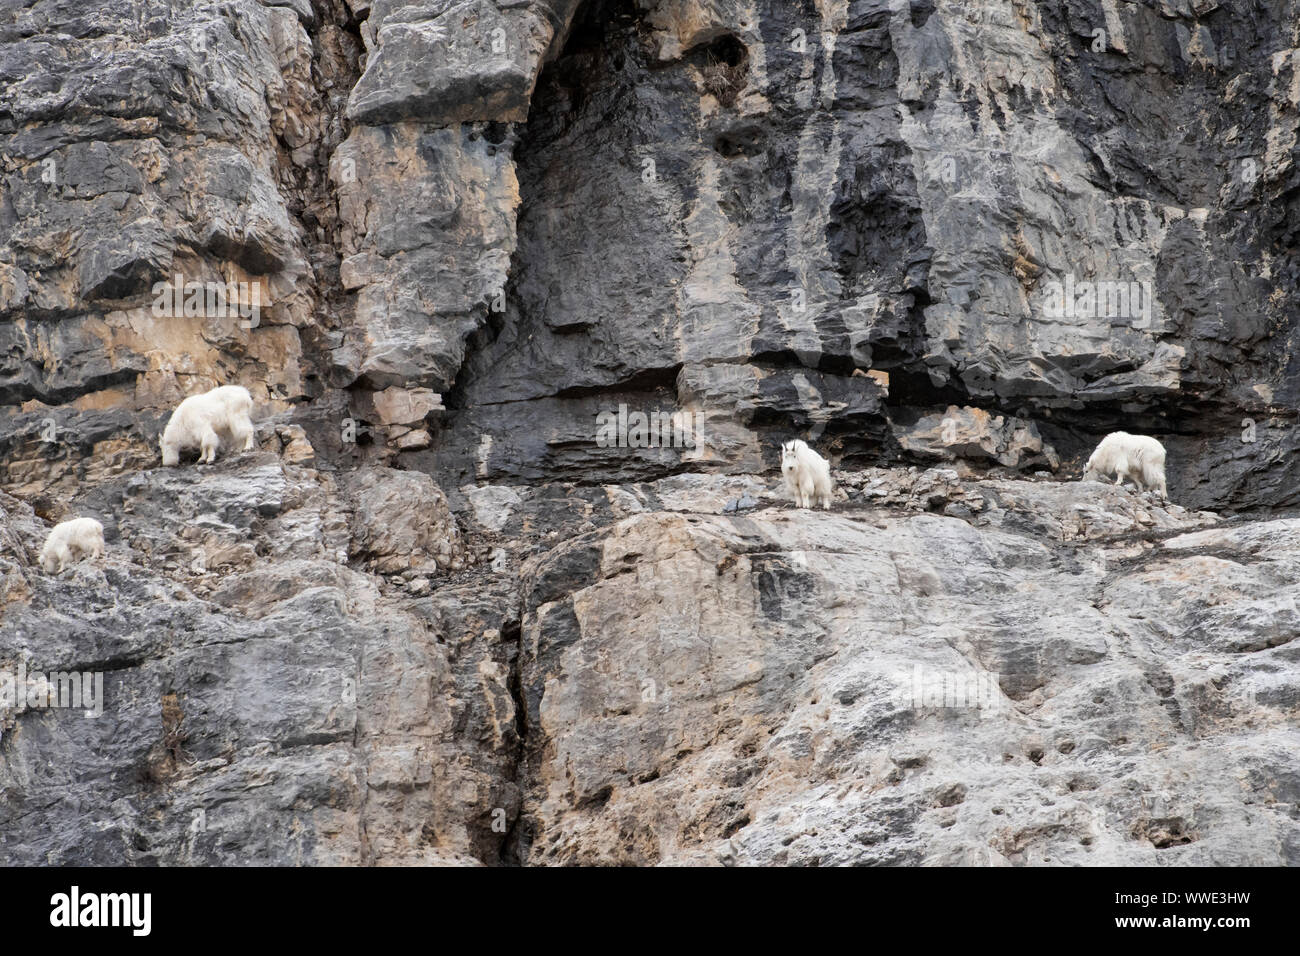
<point>972,433</point>
<point>527,294</point>
<point>454,63</point>
<point>401,519</point>
<point>901,689</point>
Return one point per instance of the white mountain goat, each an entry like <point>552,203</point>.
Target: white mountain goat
<point>70,541</point>
<point>1139,458</point>
<point>208,421</point>
<point>807,474</point>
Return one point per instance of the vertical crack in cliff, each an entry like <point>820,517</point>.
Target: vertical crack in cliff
<point>336,66</point>
<point>510,852</point>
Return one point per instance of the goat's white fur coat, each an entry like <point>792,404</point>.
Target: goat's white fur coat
<point>1139,458</point>
<point>807,474</point>
<point>208,421</point>
<point>70,541</point>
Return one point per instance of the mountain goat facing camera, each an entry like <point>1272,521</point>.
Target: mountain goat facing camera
<point>1139,458</point>
<point>206,422</point>
<point>807,474</point>
<point>70,541</point>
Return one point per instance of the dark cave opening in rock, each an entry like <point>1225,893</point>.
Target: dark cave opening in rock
<point>589,314</point>
<point>724,66</point>
<point>611,129</point>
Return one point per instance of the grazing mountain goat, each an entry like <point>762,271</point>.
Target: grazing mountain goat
<point>1139,458</point>
<point>205,422</point>
<point>71,541</point>
<point>807,474</point>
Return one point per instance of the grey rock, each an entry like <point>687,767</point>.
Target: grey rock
<point>972,434</point>
<point>945,725</point>
<point>454,63</point>
<point>433,618</point>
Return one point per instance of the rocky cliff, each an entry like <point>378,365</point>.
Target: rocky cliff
<point>470,256</point>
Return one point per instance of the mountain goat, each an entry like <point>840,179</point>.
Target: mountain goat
<point>1139,458</point>
<point>807,474</point>
<point>70,541</point>
<point>207,421</point>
